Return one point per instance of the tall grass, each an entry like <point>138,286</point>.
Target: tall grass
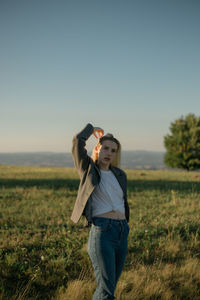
<point>43,255</point>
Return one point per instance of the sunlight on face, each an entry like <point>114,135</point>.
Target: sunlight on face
<point>106,153</point>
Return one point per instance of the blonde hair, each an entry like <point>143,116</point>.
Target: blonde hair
<point>108,137</point>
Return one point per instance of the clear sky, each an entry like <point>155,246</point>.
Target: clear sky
<point>131,67</point>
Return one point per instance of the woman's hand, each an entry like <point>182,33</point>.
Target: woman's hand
<point>98,132</point>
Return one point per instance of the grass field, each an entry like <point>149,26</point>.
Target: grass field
<point>44,255</point>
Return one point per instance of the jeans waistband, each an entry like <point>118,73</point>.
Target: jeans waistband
<point>111,221</point>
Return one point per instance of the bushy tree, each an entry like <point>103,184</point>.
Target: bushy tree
<point>183,144</point>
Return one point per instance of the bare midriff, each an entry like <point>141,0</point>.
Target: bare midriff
<point>114,214</point>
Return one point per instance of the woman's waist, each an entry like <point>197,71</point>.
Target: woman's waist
<point>114,214</point>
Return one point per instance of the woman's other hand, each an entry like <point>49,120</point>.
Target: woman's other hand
<point>98,132</point>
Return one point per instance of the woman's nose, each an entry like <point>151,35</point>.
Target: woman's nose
<point>109,152</point>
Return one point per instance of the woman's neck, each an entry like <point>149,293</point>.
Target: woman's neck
<point>104,167</point>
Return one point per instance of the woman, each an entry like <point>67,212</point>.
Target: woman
<point>102,199</point>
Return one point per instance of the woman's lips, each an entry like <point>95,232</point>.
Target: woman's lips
<point>107,158</point>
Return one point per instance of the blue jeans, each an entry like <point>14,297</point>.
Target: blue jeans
<point>107,248</point>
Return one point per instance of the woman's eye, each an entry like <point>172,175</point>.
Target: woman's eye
<point>113,150</point>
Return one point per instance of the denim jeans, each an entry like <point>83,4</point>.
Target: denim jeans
<point>107,248</point>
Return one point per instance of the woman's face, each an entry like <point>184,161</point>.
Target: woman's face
<point>106,153</point>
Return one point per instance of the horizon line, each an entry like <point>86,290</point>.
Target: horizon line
<point>135,150</point>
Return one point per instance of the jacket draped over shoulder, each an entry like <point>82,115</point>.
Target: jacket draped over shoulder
<point>90,177</point>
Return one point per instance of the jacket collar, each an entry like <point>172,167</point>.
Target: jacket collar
<point>115,170</point>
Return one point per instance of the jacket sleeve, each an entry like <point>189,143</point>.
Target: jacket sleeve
<point>79,153</point>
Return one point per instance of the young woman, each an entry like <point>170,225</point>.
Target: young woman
<point>102,199</point>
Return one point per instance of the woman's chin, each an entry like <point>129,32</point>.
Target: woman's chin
<point>104,164</point>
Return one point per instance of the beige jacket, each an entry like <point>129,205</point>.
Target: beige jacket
<point>90,177</point>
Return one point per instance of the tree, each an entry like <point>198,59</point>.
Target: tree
<point>183,144</point>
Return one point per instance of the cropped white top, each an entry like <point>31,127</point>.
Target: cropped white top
<point>108,195</point>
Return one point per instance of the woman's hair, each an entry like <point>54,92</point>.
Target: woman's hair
<point>108,137</point>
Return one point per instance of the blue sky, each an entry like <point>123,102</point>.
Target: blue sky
<point>130,67</point>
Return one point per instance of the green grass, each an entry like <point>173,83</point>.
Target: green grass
<point>44,255</point>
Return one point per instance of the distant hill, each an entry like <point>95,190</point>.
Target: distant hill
<point>130,159</point>
<point>141,159</point>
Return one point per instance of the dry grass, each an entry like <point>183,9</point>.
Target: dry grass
<point>77,289</point>
<point>165,281</point>
<point>161,281</point>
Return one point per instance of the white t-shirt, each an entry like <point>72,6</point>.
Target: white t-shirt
<point>108,195</point>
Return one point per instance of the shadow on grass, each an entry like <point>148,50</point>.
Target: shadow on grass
<point>71,184</point>
<point>163,185</point>
<point>133,185</point>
